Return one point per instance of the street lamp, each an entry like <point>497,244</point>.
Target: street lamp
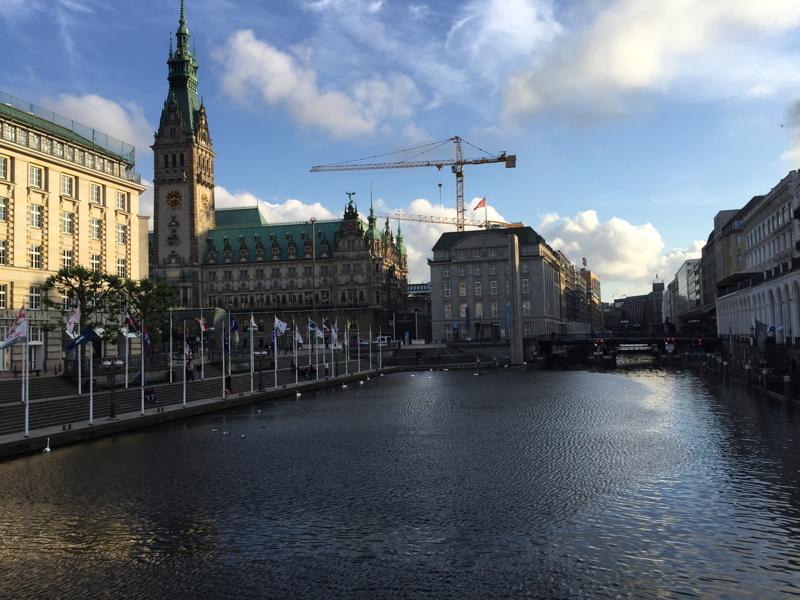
<point>113,367</point>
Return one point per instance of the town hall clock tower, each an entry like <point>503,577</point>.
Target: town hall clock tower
<point>183,179</point>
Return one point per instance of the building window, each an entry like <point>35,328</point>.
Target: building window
<point>523,267</point>
<point>3,168</point>
<point>212,276</point>
<point>66,259</point>
<point>447,289</point>
<point>479,309</point>
<point>495,309</point>
<point>122,234</point>
<point>276,272</point>
<point>526,307</point>
<point>96,263</point>
<point>476,253</point>
<point>67,222</point>
<point>96,229</point>
<point>478,288</point>
<point>307,271</point>
<point>462,271</point>
<point>3,209</point>
<point>448,332</point>
<point>462,288</point>
<point>66,185</point>
<point>292,271</point>
<point>35,256</point>
<point>59,149</point>
<point>48,146</point>
<point>95,195</point>
<point>493,269</point>
<point>477,269</point>
<point>526,328</point>
<point>739,260</point>
<point>738,239</point>
<point>491,251</point>
<point>66,305</point>
<point>3,296</point>
<point>446,272</point>
<point>122,270</point>
<point>35,177</point>
<point>526,286</point>
<point>2,252</point>
<point>227,274</point>
<point>243,274</point>
<point>463,310</point>
<point>121,200</point>
<point>259,273</point>
<point>34,298</point>
<point>325,297</point>
<point>36,216</point>
<point>448,311</point>
<point>493,288</point>
<point>11,132</point>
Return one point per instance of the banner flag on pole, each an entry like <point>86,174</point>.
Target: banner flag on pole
<point>325,324</point>
<point>20,334</point>
<point>146,338</point>
<point>84,338</point>
<point>273,338</point>
<point>280,325</point>
<point>74,319</point>
<point>311,324</point>
<point>186,348</point>
<point>480,204</point>
<point>253,324</point>
<point>203,324</point>
<point>225,344</point>
<point>234,329</point>
<point>131,323</point>
<point>298,337</point>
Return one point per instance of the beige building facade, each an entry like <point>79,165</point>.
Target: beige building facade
<point>69,195</point>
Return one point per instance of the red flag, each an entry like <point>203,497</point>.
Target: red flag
<point>481,204</point>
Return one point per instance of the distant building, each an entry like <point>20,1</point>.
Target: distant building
<point>419,298</point>
<point>593,299</point>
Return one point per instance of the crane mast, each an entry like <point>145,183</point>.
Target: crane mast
<point>457,166</point>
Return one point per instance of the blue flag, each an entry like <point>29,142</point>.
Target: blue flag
<point>84,338</point>
<point>273,339</point>
<point>234,326</point>
<point>225,344</point>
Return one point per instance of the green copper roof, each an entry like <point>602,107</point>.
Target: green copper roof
<point>183,76</point>
<point>239,217</point>
<point>282,233</point>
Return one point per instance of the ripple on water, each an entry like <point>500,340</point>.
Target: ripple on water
<point>550,485</point>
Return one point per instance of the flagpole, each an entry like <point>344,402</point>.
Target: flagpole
<point>24,369</point>
<point>170,345</point>
<point>370,348</point>
<point>184,361</point>
<point>25,394</point>
<point>316,349</point>
<point>380,349</point>
<point>358,344</point>
<point>251,353</point>
<point>223,361</point>
<point>142,369</point>
<point>230,348</point>
<point>80,356</point>
<point>275,353</point>
<point>347,349</point>
<point>127,355</point>
<point>202,364</point>
<point>294,323</point>
<point>91,381</point>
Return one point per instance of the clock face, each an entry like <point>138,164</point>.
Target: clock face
<point>204,202</point>
<point>174,198</point>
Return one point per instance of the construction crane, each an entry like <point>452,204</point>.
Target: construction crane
<point>447,220</point>
<point>457,166</point>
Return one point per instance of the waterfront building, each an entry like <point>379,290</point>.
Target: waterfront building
<point>344,270</point>
<point>500,284</point>
<point>769,288</point>
<point>69,195</point>
<point>419,298</point>
<point>574,305</point>
<point>593,298</point>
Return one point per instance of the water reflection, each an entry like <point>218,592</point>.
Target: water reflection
<point>650,483</point>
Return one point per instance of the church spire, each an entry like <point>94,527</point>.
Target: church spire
<point>183,76</point>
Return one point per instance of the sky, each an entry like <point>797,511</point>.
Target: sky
<point>634,122</point>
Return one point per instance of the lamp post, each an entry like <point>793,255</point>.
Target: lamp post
<point>113,367</point>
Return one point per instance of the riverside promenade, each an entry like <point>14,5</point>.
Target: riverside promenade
<point>58,413</point>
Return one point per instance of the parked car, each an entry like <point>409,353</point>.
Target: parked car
<point>383,340</point>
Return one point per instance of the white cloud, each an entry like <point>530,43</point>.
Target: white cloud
<point>641,45</point>
<point>253,65</point>
<point>626,257</point>
<point>290,210</point>
<point>125,122</point>
<point>146,202</point>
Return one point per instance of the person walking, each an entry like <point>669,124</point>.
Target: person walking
<point>228,384</point>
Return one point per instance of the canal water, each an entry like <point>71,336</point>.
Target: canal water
<point>640,484</point>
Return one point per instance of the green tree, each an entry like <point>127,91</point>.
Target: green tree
<point>96,293</point>
<point>147,302</point>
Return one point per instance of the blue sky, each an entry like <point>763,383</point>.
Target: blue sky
<point>634,122</point>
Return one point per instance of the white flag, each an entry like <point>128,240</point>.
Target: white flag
<point>298,336</point>
<point>74,318</point>
<point>253,324</point>
<point>20,334</point>
<point>280,325</point>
